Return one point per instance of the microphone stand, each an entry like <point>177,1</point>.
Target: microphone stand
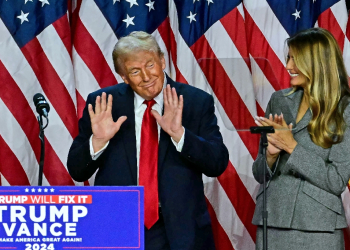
<point>262,150</point>
<point>42,151</point>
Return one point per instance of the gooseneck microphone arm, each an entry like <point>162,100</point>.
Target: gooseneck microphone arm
<point>43,108</point>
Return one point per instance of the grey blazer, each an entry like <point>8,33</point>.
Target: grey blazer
<point>304,188</point>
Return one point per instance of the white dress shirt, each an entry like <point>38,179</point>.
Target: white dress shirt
<point>139,108</point>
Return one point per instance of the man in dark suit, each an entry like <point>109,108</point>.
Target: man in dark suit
<point>111,140</point>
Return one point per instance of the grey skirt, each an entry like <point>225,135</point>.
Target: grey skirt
<point>289,239</point>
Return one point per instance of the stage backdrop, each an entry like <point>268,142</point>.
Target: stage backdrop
<point>63,49</point>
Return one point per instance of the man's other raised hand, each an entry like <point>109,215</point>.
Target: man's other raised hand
<point>102,124</point>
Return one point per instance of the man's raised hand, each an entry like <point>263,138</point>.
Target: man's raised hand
<point>102,124</point>
<point>171,121</point>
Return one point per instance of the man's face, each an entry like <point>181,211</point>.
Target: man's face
<point>143,71</point>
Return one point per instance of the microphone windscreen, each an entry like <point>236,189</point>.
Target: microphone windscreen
<point>42,107</point>
<point>37,98</point>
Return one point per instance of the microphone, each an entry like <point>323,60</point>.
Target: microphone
<point>42,107</point>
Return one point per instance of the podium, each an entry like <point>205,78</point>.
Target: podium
<point>40,218</point>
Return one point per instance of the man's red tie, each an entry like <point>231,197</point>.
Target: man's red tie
<point>148,169</point>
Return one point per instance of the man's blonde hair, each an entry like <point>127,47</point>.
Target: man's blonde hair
<point>134,42</point>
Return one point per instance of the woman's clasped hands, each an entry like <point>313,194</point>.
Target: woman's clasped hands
<point>282,139</point>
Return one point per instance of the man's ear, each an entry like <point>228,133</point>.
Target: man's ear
<point>162,60</point>
<point>124,79</point>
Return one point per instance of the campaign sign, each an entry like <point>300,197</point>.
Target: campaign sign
<point>48,218</point>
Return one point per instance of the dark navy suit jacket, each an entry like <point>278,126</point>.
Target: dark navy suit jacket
<point>181,193</point>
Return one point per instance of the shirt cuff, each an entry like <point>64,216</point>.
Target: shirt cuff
<point>179,145</point>
<point>94,155</point>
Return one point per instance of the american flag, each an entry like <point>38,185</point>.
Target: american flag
<point>35,58</point>
<point>234,50</point>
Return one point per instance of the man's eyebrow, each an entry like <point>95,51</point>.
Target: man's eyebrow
<point>132,68</point>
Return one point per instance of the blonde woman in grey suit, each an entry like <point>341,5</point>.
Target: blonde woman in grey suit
<point>309,160</point>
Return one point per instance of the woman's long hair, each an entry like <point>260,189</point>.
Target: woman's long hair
<point>317,55</point>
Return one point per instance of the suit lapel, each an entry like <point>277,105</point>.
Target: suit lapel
<point>125,106</point>
<point>303,122</point>
<point>293,103</point>
<point>164,139</point>
<point>163,146</point>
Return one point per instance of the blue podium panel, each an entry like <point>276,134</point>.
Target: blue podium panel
<point>48,218</point>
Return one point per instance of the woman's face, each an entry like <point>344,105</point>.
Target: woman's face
<point>296,77</point>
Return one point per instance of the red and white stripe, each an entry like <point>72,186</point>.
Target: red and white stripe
<point>43,65</point>
<point>231,197</point>
<point>232,99</point>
